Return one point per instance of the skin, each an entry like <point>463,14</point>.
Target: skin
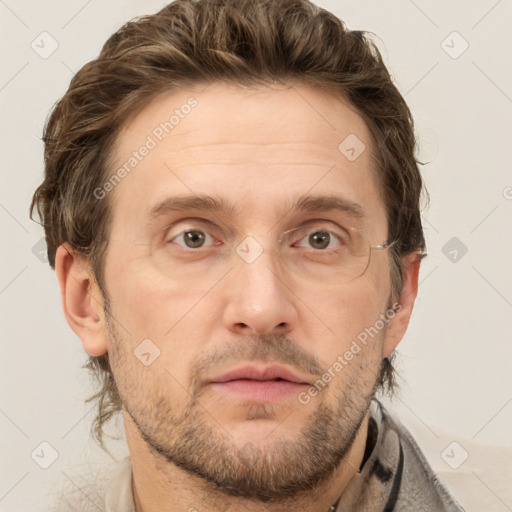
<point>258,149</point>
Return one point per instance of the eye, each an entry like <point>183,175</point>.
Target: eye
<point>321,239</point>
<point>193,239</point>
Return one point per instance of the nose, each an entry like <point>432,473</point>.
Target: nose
<point>259,299</point>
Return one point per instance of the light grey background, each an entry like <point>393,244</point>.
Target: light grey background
<point>455,361</point>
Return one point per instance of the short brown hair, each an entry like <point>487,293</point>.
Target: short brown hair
<point>245,42</point>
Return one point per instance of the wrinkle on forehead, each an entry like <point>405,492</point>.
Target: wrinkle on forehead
<point>250,144</point>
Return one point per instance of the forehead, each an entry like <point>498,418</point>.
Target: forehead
<point>257,149</point>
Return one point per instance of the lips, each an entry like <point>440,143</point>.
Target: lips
<point>269,373</point>
<point>264,384</point>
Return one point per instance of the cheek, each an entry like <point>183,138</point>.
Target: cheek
<point>351,357</point>
<point>150,306</point>
<point>349,314</point>
<point>147,303</point>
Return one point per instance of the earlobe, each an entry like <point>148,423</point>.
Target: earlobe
<point>82,300</point>
<point>397,326</point>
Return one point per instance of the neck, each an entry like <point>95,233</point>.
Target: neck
<point>160,485</point>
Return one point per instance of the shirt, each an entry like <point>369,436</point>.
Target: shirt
<point>394,477</point>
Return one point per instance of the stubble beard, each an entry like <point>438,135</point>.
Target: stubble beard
<point>278,470</point>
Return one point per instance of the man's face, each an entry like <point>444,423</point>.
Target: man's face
<point>212,301</point>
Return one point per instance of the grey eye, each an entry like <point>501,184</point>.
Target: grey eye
<point>319,239</point>
<point>192,239</point>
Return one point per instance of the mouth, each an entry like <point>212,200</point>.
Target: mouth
<point>260,384</point>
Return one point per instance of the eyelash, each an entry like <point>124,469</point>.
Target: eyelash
<point>312,230</point>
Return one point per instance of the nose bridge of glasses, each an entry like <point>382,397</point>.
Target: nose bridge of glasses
<point>267,241</point>
<point>253,245</point>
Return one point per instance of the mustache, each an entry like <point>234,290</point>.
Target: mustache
<point>275,348</point>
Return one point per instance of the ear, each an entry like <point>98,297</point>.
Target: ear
<point>398,324</point>
<point>82,300</point>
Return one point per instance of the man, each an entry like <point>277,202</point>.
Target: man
<point>231,204</point>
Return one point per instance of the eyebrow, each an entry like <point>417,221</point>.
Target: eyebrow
<point>206,203</point>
